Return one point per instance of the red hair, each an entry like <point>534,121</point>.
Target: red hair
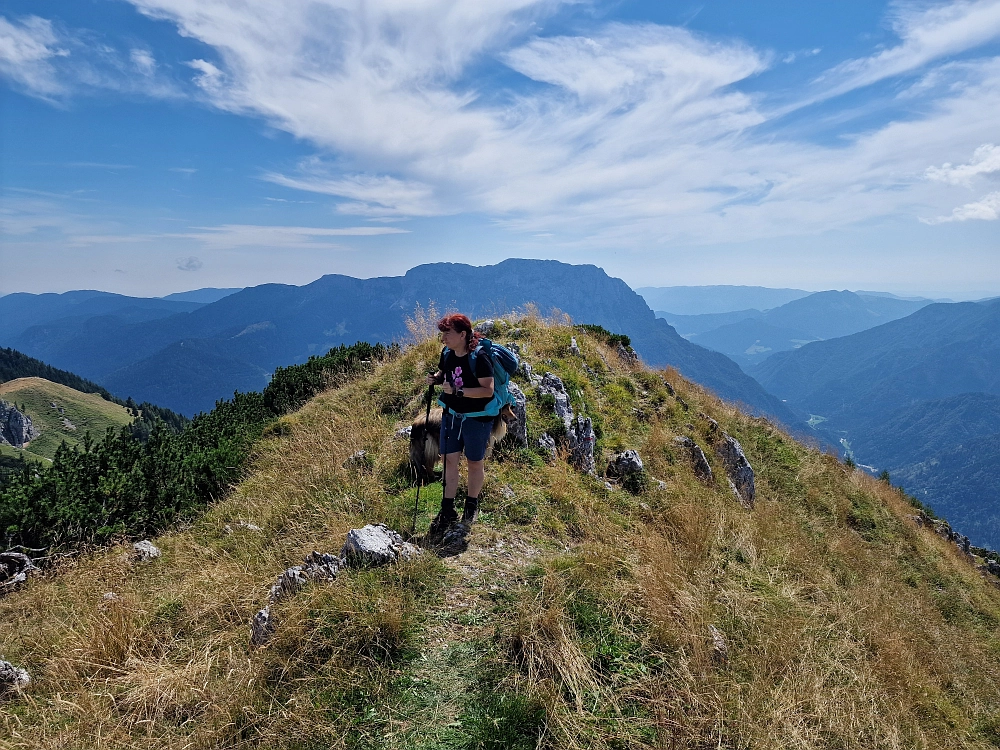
<point>462,324</point>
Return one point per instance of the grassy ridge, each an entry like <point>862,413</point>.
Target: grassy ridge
<point>580,617</point>
<point>73,415</point>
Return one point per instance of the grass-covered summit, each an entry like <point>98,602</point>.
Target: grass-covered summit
<point>580,617</point>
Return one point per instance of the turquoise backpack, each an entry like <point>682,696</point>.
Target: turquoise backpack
<point>505,363</point>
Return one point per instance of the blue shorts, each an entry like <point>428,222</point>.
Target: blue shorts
<point>469,433</point>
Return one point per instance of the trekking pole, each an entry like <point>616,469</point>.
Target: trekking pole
<point>420,483</point>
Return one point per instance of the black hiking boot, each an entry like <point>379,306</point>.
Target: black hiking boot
<point>444,519</point>
<point>471,513</point>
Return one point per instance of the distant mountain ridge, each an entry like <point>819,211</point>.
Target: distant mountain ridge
<point>699,300</point>
<point>919,396</point>
<point>244,336</point>
<point>750,336</point>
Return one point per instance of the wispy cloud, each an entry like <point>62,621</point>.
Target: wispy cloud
<point>183,170</point>
<point>926,34</point>
<point>28,48</point>
<point>249,235</point>
<point>191,263</point>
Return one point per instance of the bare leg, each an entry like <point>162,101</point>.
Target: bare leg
<point>477,475</point>
<point>451,474</point>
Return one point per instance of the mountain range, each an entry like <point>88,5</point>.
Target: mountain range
<point>750,336</point>
<point>187,360</point>
<point>918,397</point>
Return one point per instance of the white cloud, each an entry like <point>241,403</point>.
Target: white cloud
<point>985,160</point>
<point>143,61</point>
<point>986,209</point>
<point>27,50</point>
<point>926,34</point>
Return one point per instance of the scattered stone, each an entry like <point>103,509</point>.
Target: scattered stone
<point>403,433</point>
<point>992,567</point>
<point>518,429</point>
<point>13,678</point>
<point>15,567</point>
<point>582,453</point>
<point>67,425</point>
<point>547,444</point>
<point>486,328</point>
<point>359,461</point>
<point>243,525</point>
<point>720,650</point>
<point>738,469</point>
<point>712,424</point>
<point>526,370</point>
<point>608,486</point>
<point>145,550</point>
<point>699,460</point>
<point>110,596</point>
<point>573,348</point>
<point>262,627</point>
<point>16,428</point>
<point>670,388</point>
<point>516,333</point>
<point>507,492</point>
<point>660,484</point>
<point>591,372</point>
<point>375,545</point>
<point>683,403</point>
<point>288,584</point>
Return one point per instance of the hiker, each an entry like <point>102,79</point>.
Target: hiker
<point>464,424</point>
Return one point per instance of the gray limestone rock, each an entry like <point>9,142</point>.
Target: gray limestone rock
<point>552,385</point>
<point>145,550</point>
<point>486,328</point>
<point>582,453</point>
<point>518,430</point>
<point>720,650</point>
<point>702,469</point>
<point>573,348</point>
<point>13,678</point>
<point>16,427</point>
<point>628,354</point>
<point>547,444</point>
<point>738,469</point>
<point>403,433</point>
<point>288,584</point>
<point>262,627</point>
<point>359,461</point>
<point>15,567</point>
<point>623,464</point>
<point>375,545</point>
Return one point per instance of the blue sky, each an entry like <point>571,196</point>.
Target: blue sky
<point>151,146</point>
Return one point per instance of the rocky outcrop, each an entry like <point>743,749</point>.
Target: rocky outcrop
<point>552,385</point>
<point>623,464</point>
<point>375,545</point>
<point>574,349</point>
<point>262,627</point>
<point>16,427</point>
<point>738,469</point>
<point>15,567</point>
<point>547,445</point>
<point>12,678</point>
<point>582,443</point>
<point>627,353</point>
<point>517,430</point>
<point>699,461</point>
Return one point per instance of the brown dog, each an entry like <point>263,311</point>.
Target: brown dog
<point>425,441</point>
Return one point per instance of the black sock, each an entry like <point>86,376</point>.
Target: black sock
<point>473,500</point>
<point>448,503</point>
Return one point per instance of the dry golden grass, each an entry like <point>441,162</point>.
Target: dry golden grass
<point>846,625</point>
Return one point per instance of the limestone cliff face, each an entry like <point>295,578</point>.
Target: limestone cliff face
<point>15,427</point>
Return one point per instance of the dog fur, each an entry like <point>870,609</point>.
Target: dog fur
<point>425,442</point>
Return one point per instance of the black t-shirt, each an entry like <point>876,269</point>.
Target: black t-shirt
<point>457,372</point>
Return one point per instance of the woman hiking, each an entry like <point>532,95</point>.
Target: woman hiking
<point>464,392</point>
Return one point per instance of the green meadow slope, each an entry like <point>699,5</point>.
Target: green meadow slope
<point>73,415</point>
<point>581,616</point>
